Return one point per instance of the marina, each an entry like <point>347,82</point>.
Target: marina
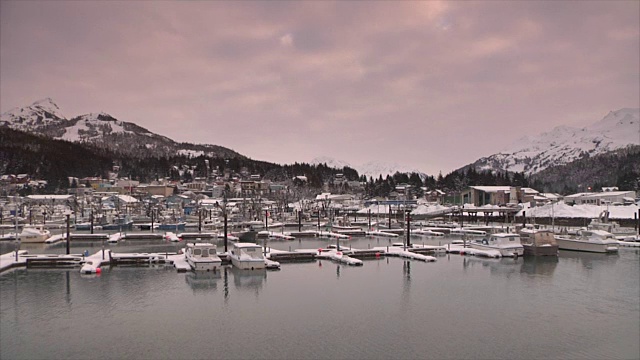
<point>402,268</point>
<point>412,290</point>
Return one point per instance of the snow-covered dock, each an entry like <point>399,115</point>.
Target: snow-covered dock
<point>275,235</point>
<point>339,256</point>
<point>458,249</point>
<point>334,235</point>
<point>9,260</point>
<point>381,233</point>
<point>401,252</point>
<point>629,243</point>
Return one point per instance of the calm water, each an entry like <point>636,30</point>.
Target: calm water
<point>577,306</point>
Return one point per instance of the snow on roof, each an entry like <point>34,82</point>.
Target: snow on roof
<point>562,210</point>
<point>490,189</point>
<point>127,199</point>
<point>329,196</point>
<point>609,193</point>
<point>530,190</point>
<point>49,197</point>
<point>576,195</point>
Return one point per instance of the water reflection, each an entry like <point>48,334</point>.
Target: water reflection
<point>203,282</point>
<point>502,266</point>
<point>249,280</point>
<point>539,265</point>
<point>589,260</point>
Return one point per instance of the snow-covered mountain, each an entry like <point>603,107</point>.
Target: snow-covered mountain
<point>44,117</point>
<point>564,144</point>
<point>370,169</point>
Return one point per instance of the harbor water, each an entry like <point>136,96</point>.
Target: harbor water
<point>578,305</point>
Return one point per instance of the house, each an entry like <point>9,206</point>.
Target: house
<point>164,190</point>
<point>299,180</point>
<point>435,196</point>
<point>493,195</point>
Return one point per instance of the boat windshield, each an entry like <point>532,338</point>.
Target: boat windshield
<point>197,251</point>
<point>205,252</point>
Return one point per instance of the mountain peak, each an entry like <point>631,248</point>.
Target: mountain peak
<point>563,144</point>
<point>41,113</point>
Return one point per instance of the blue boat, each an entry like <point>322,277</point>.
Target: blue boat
<point>174,226</point>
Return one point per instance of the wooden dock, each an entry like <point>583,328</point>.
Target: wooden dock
<point>143,236</point>
<point>53,260</point>
<point>292,256</point>
<point>87,237</point>
<point>303,234</point>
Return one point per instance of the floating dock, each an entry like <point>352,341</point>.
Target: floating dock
<point>186,236</point>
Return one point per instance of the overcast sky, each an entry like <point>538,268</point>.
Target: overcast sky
<point>430,85</point>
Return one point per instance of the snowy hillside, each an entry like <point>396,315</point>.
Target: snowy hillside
<point>532,154</point>
<point>370,169</point>
<point>44,117</point>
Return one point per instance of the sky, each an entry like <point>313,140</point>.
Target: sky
<point>429,85</point>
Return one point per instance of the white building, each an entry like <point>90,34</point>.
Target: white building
<point>601,198</point>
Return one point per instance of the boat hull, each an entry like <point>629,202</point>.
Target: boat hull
<point>586,246</point>
<point>179,226</point>
<point>121,227</point>
<point>248,236</point>
<point>204,265</point>
<point>513,251</point>
<point>532,250</point>
<point>253,264</point>
<point>33,239</point>
<point>34,236</point>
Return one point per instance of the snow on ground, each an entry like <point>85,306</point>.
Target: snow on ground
<point>190,153</point>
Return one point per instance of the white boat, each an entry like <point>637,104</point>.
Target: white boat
<point>598,241</point>
<point>508,244</point>
<point>34,235</point>
<point>202,257</point>
<point>247,256</point>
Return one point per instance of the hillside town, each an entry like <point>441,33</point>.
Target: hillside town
<point>248,197</point>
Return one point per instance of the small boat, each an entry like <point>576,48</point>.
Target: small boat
<point>598,241</point>
<point>538,242</point>
<point>506,243</point>
<point>247,256</point>
<point>247,236</point>
<point>202,257</point>
<point>171,237</point>
<point>34,235</point>
<point>172,226</point>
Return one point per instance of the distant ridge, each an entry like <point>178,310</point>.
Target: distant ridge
<point>44,117</point>
<point>564,144</point>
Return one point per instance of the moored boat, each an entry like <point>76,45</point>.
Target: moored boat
<point>34,235</point>
<point>538,242</point>
<point>598,241</point>
<point>202,257</point>
<point>247,256</point>
<point>507,244</point>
